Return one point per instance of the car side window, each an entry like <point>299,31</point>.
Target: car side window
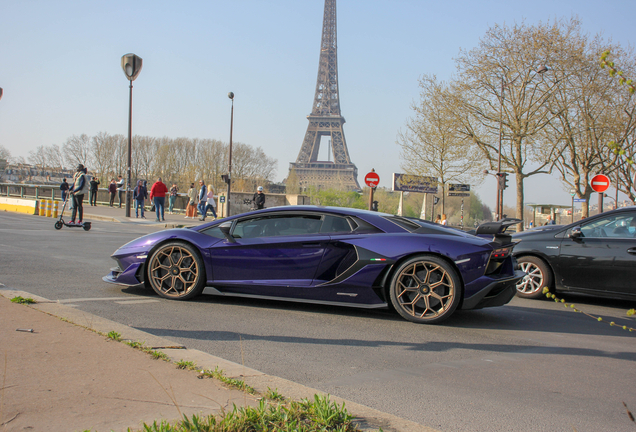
<point>620,225</point>
<point>214,232</point>
<point>276,226</point>
<point>335,224</point>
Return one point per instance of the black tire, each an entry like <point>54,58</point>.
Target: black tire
<point>176,271</point>
<point>425,289</point>
<point>87,226</point>
<point>538,276</point>
<point>58,225</point>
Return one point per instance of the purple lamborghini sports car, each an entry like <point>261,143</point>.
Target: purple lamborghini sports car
<point>328,255</point>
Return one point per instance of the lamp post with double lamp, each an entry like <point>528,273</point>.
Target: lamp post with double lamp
<point>229,163</point>
<point>131,64</point>
<point>499,211</point>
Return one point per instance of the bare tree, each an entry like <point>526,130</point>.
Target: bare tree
<point>504,95</point>
<point>78,150</point>
<point>431,144</point>
<point>4,153</point>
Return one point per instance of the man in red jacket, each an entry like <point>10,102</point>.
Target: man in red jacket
<point>158,195</point>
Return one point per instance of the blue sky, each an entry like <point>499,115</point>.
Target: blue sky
<point>61,74</point>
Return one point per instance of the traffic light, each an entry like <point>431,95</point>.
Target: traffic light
<point>505,180</point>
<point>225,178</point>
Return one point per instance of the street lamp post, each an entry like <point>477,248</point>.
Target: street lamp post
<point>229,163</point>
<point>131,64</point>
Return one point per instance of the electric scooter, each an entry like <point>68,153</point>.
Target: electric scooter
<point>60,223</point>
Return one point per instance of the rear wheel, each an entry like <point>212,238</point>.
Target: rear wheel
<point>538,276</point>
<point>425,289</point>
<point>87,226</point>
<point>176,271</point>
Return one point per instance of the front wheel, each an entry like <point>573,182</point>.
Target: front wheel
<point>425,289</point>
<point>58,225</point>
<point>538,276</point>
<point>176,271</point>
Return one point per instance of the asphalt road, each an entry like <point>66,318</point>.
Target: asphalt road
<point>527,366</point>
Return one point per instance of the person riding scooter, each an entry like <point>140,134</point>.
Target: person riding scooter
<point>77,191</point>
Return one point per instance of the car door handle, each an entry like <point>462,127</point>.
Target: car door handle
<point>631,251</point>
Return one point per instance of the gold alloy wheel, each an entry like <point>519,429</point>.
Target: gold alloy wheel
<point>174,271</point>
<point>532,282</point>
<point>425,290</point>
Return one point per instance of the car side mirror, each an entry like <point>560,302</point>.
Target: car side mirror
<point>576,233</point>
<point>225,229</point>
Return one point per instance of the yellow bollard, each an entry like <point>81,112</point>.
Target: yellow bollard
<point>42,209</point>
<point>49,205</point>
<point>54,211</point>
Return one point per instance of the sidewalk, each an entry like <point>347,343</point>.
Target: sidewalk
<point>65,377</point>
<point>116,214</point>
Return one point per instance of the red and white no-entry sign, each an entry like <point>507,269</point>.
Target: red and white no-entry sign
<point>372,179</point>
<point>600,183</point>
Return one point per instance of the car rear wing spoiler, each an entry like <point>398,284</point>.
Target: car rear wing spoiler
<point>498,230</point>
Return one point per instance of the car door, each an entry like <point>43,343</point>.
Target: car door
<point>282,250</point>
<point>603,258</point>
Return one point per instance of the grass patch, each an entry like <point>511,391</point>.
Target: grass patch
<point>182,364</point>
<point>22,300</point>
<point>316,415</point>
<point>273,395</point>
<point>114,336</point>
<point>232,382</point>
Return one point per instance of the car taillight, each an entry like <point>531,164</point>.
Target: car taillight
<point>501,253</point>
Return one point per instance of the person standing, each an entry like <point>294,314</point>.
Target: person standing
<point>444,221</point>
<point>174,190</point>
<point>191,210</point>
<point>121,189</point>
<point>93,191</point>
<point>140,194</point>
<point>259,198</point>
<point>77,191</point>
<point>203,199</point>
<point>112,190</point>
<point>438,219</point>
<point>158,193</point>
<point>64,188</point>
<point>211,204</point>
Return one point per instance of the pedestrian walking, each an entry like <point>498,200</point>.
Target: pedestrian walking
<point>112,190</point>
<point>94,187</point>
<point>64,188</point>
<point>211,204</point>
<point>203,199</point>
<point>121,189</point>
<point>140,194</point>
<point>77,191</point>
<point>259,198</point>
<point>158,193</point>
<point>191,210</point>
<point>174,190</point>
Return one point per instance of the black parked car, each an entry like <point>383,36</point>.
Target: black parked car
<point>594,256</point>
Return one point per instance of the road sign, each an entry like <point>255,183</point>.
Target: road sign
<point>414,183</point>
<point>579,200</point>
<point>572,192</point>
<point>222,199</point>
<point>600,183</point>
<point>458,187</point>
<point>372,179</point>
<point>460,194</point>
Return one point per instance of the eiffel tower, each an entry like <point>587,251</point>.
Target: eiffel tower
<point>325,121</point>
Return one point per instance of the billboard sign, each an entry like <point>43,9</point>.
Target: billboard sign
<point>414,183</point>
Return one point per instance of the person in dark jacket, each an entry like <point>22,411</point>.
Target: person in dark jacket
<point>64,188</point>
<point>203,199</point>
<point>93,191</point>
<point>259,198</point>
<point>112,190</point>
<point>77,191</point>
<point>140,194</point>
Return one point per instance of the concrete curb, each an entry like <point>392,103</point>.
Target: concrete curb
<point>368,419</point>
